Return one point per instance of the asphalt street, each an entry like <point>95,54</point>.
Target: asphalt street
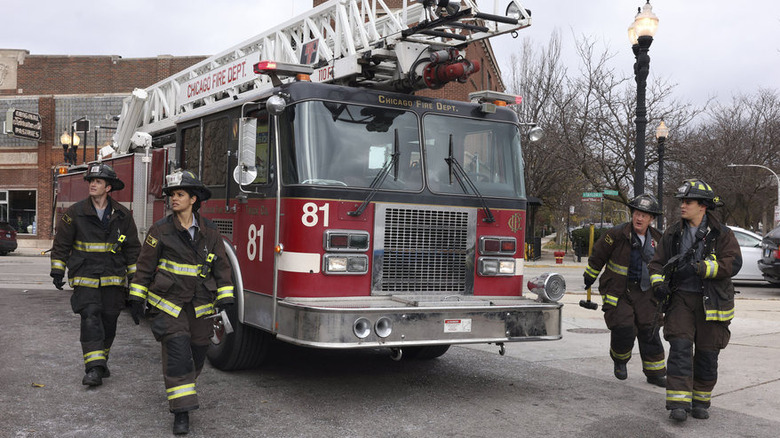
<point>560,388</point>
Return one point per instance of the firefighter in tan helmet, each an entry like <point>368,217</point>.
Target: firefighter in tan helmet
<point>97,241</point>
<point>691,276</point>
<point>184,274</point>
<point>628,305</point>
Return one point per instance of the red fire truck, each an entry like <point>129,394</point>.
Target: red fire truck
<point>355,214</point>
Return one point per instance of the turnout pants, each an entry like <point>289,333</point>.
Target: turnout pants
<point>630,317</point>
<point>99,309</point>
<point>184,341</point>
<point>694,345</point>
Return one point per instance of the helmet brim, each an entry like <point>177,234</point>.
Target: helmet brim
<point>203,193</point>
<point>115,183</point>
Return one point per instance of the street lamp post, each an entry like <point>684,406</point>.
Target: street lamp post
<point>661,132</point>
<point>641,33</point>
<point>71,141</point>
<point>777,178</point>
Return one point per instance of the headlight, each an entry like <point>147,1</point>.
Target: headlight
<point>345,264</point>
<point>495,266</point>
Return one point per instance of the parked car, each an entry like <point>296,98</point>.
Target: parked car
<point>7,238</point>
<point>769,263</point>
<point>750,244</point>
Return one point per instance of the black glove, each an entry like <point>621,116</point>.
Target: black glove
<point>700,268</point>
<point>661,293</point>
<point>588,280</point>
<point>57,280</point>
<point>225,306</point>
<point>137,311</point>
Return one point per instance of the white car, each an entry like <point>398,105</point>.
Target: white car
<point>750,244</point>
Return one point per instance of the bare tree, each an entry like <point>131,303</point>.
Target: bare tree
<point>744,131</point>
<point>588,117</point>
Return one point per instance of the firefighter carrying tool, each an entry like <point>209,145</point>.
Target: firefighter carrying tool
<point>97,241</point>
<point>628,304</point>
<point>183,272</point>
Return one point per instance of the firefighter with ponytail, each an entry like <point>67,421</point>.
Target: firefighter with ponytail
<point>184,274</point>
<point>691,275</point>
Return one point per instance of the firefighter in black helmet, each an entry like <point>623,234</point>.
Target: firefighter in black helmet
<point>96,239</point>
<point>184,273</point>
<point>628,305</point>
<point>694,263</point>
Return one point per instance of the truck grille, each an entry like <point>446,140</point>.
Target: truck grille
<point>424,250</point>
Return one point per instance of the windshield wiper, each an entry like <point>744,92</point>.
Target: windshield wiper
<point>457,170</point>
<point>380,177</point>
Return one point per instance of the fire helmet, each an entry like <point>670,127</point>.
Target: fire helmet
<point>699,190</point>
<point>185,180</point>
<point>646,203</point>
<point>105,172</point>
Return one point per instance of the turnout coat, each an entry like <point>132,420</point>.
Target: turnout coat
<point>96,253</point>
<point>174,269</point>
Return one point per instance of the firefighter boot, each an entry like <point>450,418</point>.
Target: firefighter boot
<point>657,381</point>
<point>678,414</point>
<point>181,423</point>
<point>94,377</point>
<point>700,413</point>
<point>621,372</point>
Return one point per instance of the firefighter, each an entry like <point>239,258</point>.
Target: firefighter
<point>184,273</point>
<point>97,240</point>
<point>628,305</point>
<point>697,290</point>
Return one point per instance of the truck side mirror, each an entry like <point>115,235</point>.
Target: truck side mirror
<point>245,171</point>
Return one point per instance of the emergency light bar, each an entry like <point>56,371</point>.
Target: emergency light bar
<point>495,97</point>
<point>275,69</point>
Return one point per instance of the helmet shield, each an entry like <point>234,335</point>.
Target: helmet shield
<point>699,190</point>
<point>646,203</point>
<point>186,180</point>
<point>104,171</point>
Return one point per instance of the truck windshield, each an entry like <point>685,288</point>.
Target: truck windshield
<point>342,145</point>
<point>489,152</point>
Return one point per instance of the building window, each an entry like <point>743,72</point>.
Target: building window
<point>21,210</point>
<point>3,206</point>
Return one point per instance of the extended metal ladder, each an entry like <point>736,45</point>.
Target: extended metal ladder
<point>354,42</point>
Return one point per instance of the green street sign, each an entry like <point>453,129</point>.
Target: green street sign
<point>591,195</point>
<point>611,192</point>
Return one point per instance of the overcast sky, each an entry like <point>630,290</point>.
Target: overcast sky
<point>709,48</point>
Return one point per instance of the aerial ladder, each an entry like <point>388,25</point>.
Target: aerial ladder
<point>361,43</point>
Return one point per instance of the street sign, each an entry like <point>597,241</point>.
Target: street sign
<point>591,197</point>
<point>23,124</point>
<point>611,192</point>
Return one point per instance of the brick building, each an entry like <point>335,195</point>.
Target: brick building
<point>63,89</point>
